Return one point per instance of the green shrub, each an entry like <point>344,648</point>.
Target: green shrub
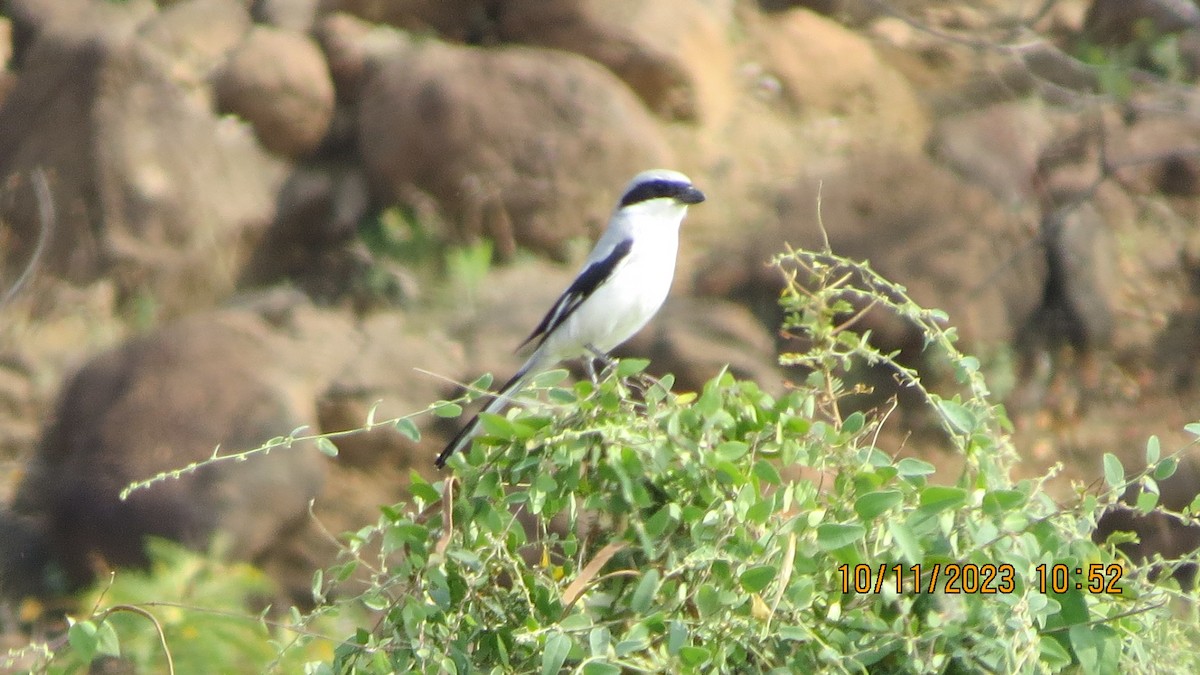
<point>619,526</point>
<point>622,527</point>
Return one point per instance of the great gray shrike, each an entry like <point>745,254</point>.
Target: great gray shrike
<point>622,285</point>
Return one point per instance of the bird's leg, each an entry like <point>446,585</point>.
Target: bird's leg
<point>597,355</point>
<point>590,368</point>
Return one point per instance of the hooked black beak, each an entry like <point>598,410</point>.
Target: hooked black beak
<point>690,196</point>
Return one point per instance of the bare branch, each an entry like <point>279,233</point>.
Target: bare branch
<point>45,203</point>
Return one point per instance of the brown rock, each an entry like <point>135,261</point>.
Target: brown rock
<point>987,273</point>
<point>527,147</point>
<point>192,38</point>
<point>295,15</point>
<point>157,403</point>
<point>874,101</point>
<point>996,147</point>
<point>149,187</point>
<point>1118,21</point>
<point>278,82</point>
<point>585,28</point>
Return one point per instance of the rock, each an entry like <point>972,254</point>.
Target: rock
<point>828,7</point>
<point>298,16</point>
<point>527,147</point>
<point>1080,300</point>
<point>150,187</point>
<point>1160,154</point>
<point>997,147</point>
<point>873,101</point>
<point>315,231</point>
<point>590,29</point>
<point>278,82</point>
<point>191,39</point>
<point>32,18</point>
<point>986,273</point>
<point>1118,21</point>
<point>576,26</point>
<point>24,554</point>
<point>676,54</point>
<point>159,402</point>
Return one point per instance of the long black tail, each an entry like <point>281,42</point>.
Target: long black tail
<point>499,400</point>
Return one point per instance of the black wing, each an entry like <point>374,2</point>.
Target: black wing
<point>584,285</point>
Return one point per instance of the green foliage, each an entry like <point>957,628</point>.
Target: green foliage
<point>189,613</point>
<point>398,235</point>
<point>1118,68</point>
<point>622,527</point>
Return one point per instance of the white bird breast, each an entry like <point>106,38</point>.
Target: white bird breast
<point>633,294</point>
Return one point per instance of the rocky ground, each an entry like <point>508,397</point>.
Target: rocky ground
<point>263,215</point>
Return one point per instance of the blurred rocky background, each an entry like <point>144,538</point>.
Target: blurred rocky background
<point>224,220</point>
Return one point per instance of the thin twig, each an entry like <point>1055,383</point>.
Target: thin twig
<point>45,203</point>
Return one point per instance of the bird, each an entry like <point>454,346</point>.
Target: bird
<point>622,285</point>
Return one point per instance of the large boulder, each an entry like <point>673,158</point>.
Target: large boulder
<point>986,271</point>
<point>278,81</point>
<point>527,147</point>
<point>231,379</point>
<point>570,25</point>
<point>151,187</point>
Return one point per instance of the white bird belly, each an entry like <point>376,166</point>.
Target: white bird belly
<point>617,309</point>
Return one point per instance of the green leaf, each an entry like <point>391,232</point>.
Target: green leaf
<point>693,656</point>
<point>676,636</point>
<point>643,595</point>
<point>447,409</point>
<point>831,536</point>
<point>408,429</point>
<point>627,367</point>
<point>731,451</point>
<point>910,466</point>
<point>1152,451</point>
<point>107,642</point>
<point>558,646</point>
<point>938,498</point>
<point>708,600</point>
<point>327,447</point>
<point>1097,648</point>
<point>549,378</point>
<point>766,472</point>
<point>1192,428</point>
<point>318,584</point>
<point>1053,654</point>
<point>481,383</point>
<point>854,422</point>
<point>599,640</point>
<point>999,501</point>
<point>755,579</point>
<point>1166,468</point>
<point>82,638</point>
<point>601,668</point>
<point>420,488</point>
<point>872,504</point>
<point>497,426</point>
<point>906,540</point>
<point>959,417</point>
<point>1146,501</point>
<point>1114,473</point>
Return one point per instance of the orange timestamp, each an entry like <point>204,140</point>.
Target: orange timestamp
<point>955,578</point>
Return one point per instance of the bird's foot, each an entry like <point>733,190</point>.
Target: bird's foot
<point>596,355</point>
